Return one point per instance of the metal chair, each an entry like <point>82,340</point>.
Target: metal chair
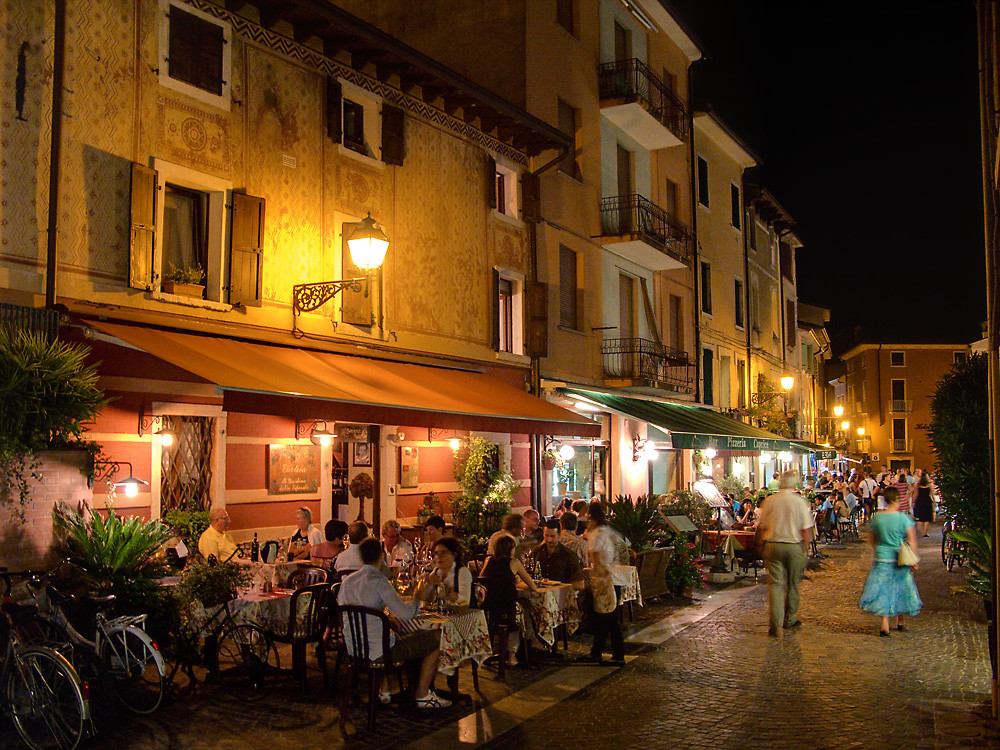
<point>501,620</point>
<point>306,576</point>
<point>308,628</point>
<point>357,649</point>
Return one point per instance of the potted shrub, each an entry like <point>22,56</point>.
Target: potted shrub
<point>187,282</point>
<point>213,584</point>
<point>684,571</point>
<point>548,460</point>
<point>362,486</point>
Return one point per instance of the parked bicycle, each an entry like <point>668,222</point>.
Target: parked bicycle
<point>952,551</point>
<point>132,659</point>
<point>41,691</point>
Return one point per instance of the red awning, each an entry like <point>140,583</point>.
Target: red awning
<point>258,378</point>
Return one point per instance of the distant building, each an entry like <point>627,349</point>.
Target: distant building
<point>886,390</point>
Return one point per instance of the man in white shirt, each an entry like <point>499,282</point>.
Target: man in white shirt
<point>350,559</point>
<point>867,487</point>
<point>786,526</point>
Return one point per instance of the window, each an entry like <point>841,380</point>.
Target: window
<point>734,193</point>
<point>739,302</point>
<point>897,359</point>
<point>568,310</point>
<point>707,377</point>
<point>706,287</point>
<point>754,305</point>
<point>669,80</point>
<point>741,388</point>
<point>185,230</point>
<point>505,181</point>
<point>508,334</point>
<point>898,389</point>
<point>505,292</point>
<point>670,197</point>
<point>763,238</point>
<point>363,124</point>
<point>960,357</point>
<point>787,261</point>
<point>676,323</point>
<point>702,182</point>
<point>567,124</point>
<point>566,15</point>
<point>354,126</point>
<point>753,233</point>
<point>187,224</point>
<point>791,324</point>
<point>626,306</point>
<point>194,53</point>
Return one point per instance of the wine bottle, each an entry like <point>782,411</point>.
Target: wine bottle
<point>255,549</point>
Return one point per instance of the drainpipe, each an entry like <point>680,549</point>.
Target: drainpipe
<point>746,290</point>
<point>535,472</point>
<point>694,229</point>
<point>58,82</point>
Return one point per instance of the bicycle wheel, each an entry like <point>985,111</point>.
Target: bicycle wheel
<point>246,655</point>
<point>137,670</point>
<point>46,704</point>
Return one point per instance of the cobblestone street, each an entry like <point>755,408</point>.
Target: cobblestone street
<point>704,675</point>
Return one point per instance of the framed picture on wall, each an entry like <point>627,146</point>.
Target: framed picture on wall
<point>362,454</point>
<point>292,469</point>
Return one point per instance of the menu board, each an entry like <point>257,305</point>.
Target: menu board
<point>292,469</point>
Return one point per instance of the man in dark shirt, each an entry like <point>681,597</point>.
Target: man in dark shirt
<point>558,562</point>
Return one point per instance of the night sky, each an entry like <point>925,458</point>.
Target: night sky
<point>866,116</point>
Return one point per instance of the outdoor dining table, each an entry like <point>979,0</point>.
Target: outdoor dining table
<point>626,581</point>
<point>275,573</point>
<point>745,537</point>
<point>554,604</point>
<point>464,635</point>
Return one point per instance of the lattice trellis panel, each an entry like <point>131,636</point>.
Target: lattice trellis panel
<point>186,467</point>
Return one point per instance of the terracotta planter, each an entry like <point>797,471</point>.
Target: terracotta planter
<point>548,462</point>
<point>688,592</point>
<point>184,290</point>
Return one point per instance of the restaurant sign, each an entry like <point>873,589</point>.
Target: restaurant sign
<point>826,455</point>
<point>355,433</point>
<point>728,442</point>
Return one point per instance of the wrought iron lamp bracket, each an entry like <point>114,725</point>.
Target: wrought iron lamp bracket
<point>308,297</point>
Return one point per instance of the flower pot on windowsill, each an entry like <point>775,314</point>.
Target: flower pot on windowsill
<point>184,290</point>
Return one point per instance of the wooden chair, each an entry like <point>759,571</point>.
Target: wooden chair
<point>501,621</point>
<point>309,628</point>
<point>306,575</point>
<point>356,621</point>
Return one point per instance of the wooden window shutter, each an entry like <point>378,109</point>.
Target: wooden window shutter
<point>334,110</point>
<point>143,219</point>
<point>531,198</point>
<point>537,340</point>
<point>491,182</point>
<point>791,324</point>
<point>393,142</point>
<point>246,255</point>
<point>568,298</point>
<point>495,297</point>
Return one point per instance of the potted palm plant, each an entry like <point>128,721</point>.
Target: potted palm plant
<point>186,282</point>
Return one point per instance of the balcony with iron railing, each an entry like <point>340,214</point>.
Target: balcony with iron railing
<point>901,446</point>
<point>641,362</point>
<point>38,319</point>
<point>639,103</point>
<point>900,406</point>
<point>636,228</point>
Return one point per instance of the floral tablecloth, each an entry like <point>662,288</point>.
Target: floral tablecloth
<point>274,573</point>
<point>554,604</point>
<point>464,635</point>
<point>626,579</point>
<point>267,611</point>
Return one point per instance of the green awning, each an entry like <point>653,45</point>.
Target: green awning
<point>691,426</point>
<point>804,446</point>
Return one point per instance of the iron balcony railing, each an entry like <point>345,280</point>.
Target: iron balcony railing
<point>900,405</point>
<point>634,214</point>
<point>30,319</point>
<point>901,446</point>
<point>633,81</point>
<point>647,361</point>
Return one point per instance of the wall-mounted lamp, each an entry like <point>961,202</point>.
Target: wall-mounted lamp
<point>711,452</point>
<point>643,449</point>
<point>861,431</point>
<point>318,435</point>
<point>130,485</point>
<point>765,457</point>
<point>838,411</point>
<point>787,381</point>
<point>367,244</point>
<point>845,425</point>
<point>785,457</point>
<point>166,436</point>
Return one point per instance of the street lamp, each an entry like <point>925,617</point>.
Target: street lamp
<point>861,432</point>
<point>787,381</point>
<point>838,411</point>
<point>368,245</point>
<point>130,483</point>
<point>845,425</point>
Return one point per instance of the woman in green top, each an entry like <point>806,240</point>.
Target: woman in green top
<point>889,590</point>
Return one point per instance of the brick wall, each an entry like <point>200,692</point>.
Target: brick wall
<point>25,544</point>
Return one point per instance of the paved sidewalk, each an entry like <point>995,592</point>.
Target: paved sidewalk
<point>723,683</point>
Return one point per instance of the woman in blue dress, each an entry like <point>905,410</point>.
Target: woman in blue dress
<point>889,590</point>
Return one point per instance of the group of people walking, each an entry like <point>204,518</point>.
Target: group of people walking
<point>894,505</point>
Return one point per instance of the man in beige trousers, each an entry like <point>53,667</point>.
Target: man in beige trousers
<point>786,526</point>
